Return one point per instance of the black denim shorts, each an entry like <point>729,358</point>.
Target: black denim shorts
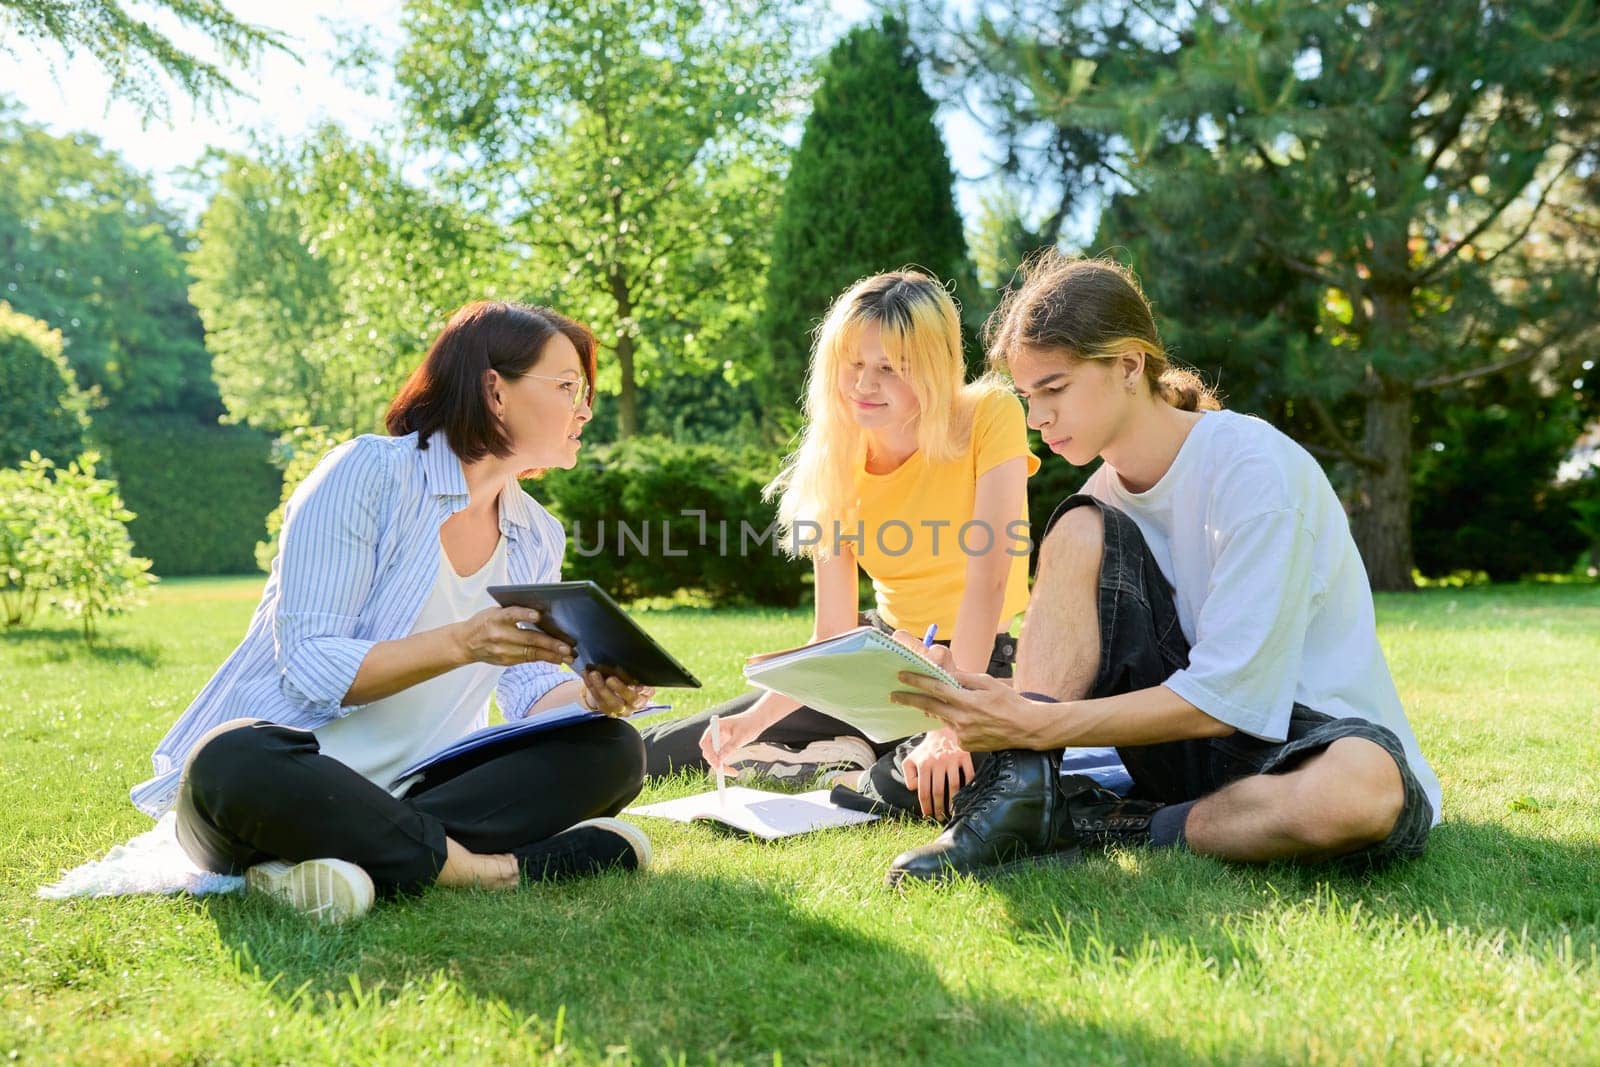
<point>1142,645</point>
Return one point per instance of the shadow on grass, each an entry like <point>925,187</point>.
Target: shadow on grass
<point>1479,878</point>
<point>60,644</point>
<point>713,969</point>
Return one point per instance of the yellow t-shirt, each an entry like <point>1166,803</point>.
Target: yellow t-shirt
<point>914,546</point>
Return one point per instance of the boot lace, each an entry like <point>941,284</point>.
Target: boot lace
<point>986,786</point>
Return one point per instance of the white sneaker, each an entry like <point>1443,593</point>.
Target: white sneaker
<point>788,764</point>
<point>327,890</point>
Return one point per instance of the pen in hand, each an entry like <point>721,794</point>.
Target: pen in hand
<point>716,744</point>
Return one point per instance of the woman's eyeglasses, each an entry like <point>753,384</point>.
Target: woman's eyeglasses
<point>581,391</point>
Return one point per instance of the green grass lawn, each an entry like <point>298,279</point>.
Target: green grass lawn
<point>1487,949</point>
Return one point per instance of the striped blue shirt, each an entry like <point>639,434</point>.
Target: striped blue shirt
<point>358,553</point>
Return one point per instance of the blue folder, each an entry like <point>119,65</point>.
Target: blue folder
<point>492,736</point>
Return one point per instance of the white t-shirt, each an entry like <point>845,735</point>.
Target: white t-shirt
<point>1270,588</point>
<point>383,738</point>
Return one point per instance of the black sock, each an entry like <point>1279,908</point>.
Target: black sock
<point>1166,826</point>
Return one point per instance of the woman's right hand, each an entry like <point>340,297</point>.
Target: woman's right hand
<point>733,732</point>
<point>493,636</point>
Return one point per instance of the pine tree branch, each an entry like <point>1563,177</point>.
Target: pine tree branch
<point>1484,371</point>
<point>1570,215</point>
<point>1301,267</point>
<point>1050,232</point>
<point>1341,448</point>
<point>1149,14</point>
<point>1112,167</point>
<point>1360,459</point>
<point>1533,216</point>
<point>1453,119</point>
<point>1422,275</point>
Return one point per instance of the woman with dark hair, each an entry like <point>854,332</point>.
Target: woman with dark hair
<point>376,643</point>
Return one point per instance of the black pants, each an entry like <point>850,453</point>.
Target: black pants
<point>675,746</point>
<point>261,791</point>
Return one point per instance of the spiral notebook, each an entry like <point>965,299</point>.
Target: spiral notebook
<point>850,677</point>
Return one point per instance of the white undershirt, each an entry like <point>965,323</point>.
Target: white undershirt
<point>1270,589</point>
<point>383,738</point>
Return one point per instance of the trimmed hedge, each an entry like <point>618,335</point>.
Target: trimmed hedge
<point>201,493</point>
<point>623,505</point>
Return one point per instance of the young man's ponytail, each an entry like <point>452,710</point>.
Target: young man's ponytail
<point>1183,389</point>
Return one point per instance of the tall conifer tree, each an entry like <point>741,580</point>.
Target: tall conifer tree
<point>869,190</point>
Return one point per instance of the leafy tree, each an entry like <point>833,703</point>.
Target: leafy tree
<point>322,275</point>
<point>138,56</point>
<point>630,150</point>
<point>85,246</point>
<point>41,408</point>
<point>1396,167</point>
<point>869,191</point>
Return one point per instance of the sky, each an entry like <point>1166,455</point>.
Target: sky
<point>287,98</point>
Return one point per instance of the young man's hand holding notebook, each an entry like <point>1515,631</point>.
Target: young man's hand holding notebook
<point>850,677</point>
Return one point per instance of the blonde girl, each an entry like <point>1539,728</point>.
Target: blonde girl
<point>918,478</point>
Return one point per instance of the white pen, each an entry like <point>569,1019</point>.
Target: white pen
<point>716,746</point>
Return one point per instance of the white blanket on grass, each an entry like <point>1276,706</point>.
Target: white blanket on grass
<point>152,863</point>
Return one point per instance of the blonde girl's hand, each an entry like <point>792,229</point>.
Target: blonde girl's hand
<point>935,770</point>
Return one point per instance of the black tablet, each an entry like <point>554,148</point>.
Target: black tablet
<point>601,632</point>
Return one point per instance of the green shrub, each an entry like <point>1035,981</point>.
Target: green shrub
<point>41,407</point>
<point>1484,492</point>
<point>64,540</point>
<point>624,508</point>
<point>26,533</point>
<point>202,492</point>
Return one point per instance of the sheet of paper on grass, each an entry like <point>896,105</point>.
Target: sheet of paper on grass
<point>755,811</point>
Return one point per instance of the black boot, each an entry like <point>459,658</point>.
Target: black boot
<point>1013,813</point>
<point>1102,819</point>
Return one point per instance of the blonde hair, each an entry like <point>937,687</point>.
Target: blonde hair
<point>920,330</point>
<point>1090,309</point>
